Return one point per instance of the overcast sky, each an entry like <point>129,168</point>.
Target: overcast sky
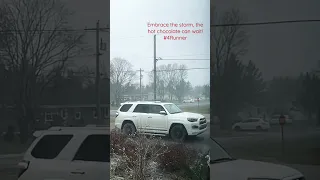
<point>280,50</point>
<point>276,49</point>
<point>129,38</point>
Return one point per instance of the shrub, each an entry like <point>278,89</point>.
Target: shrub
<point>117,141</point>
<point>178,157</point>
<point>199,169</point>
<point>137,153</point>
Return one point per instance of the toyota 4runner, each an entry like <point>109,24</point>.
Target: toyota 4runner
<point>68,153</point>
<point>159,118</point>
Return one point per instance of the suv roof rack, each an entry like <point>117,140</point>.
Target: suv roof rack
<point>141,101</point>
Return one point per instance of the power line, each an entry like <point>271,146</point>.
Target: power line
<point>186,69</point>
<point>55,30</point>
<point>184,59</point>
<point>165,57</point>
<point>267,23</point>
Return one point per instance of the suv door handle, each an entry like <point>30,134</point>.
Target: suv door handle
<point>149,117</point>
<point>134,116</point>
<point>78,172</point>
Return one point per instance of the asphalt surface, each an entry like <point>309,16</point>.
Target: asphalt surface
<point>245,145</point>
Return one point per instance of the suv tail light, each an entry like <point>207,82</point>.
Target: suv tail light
<point>117,114</point>
<point>23,166</point>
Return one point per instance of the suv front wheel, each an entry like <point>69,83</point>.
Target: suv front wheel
<point>178,132</point>
<point>128,128</point>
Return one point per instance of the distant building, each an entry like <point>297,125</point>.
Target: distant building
<point>57,115</point>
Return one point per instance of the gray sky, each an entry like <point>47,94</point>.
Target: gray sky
<point>130,39</point>
<point>277,49</point>
<point>86,14</point>
<point>284,49</point>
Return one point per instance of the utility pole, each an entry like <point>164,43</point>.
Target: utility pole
<point>97,29</point>
<point>141,83</point>
<point>155,68</point>
<point>98,73</point>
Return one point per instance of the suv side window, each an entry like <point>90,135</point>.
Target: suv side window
<point>50,146</point>
<point>155,109</point>
<point>141,108</point>
<point>94,148</point>
<point>125,107</point>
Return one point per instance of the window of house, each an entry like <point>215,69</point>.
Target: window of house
<point>64,113</point>
<point>106,112</point>
<point>94,112</point>
<point>78,115</point>
<point>48,116</point>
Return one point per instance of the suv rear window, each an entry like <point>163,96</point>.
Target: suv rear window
<point>50,146</point>
<point>125,107</point>
<point>94,148</point>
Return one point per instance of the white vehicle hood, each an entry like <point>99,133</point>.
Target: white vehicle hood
<point>244,169</point>
<point>187,115</point>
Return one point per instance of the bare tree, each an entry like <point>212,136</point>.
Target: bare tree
<point>168,77</point>
<point>121,73</point>
<point>227,40</point>
<point>37,45</point>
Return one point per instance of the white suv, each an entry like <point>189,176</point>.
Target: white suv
<point>68,153</point>
<point>159,118</point>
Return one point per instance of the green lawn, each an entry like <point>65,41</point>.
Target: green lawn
<point>204,109</point>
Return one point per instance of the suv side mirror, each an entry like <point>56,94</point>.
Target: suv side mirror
<point>163,113</point>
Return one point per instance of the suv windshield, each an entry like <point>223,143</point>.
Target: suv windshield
<point>217,153</point>
<point>172,108</point>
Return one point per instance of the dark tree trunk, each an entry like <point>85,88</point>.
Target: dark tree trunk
<point>24,130</point>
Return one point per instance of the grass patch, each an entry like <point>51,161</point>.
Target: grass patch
<point>202,109</point>
<point>114,107</point>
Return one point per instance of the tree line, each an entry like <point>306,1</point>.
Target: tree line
<point>236,83</point>
<point>171,82</point>
<point>36,44</point>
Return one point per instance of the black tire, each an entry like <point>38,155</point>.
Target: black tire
<point>258,128</point>
<point>237,128</point>
<point>129,128</point>
<point>178,133</point>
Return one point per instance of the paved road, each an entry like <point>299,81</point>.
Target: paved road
<point>249,142</point>
<point>8,167</point>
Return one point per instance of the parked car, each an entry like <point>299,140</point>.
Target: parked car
<point>251,124</point>
<point>68,153</point>
<point>275,119</point>
<point>224,167</point>
<point>188,101</point>
<point>158,118</point>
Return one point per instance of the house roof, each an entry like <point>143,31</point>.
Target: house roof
<point>74,106</point>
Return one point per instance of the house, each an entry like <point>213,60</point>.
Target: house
<point>57,115</point>
<point>74,115</point>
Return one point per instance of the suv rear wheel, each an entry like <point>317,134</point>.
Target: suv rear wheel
<point>128,128</point>
<point>178,132</point>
